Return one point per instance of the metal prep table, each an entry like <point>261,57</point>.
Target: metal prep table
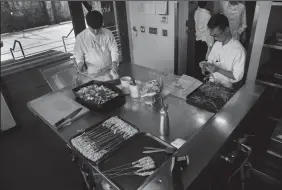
<point>197,126</point>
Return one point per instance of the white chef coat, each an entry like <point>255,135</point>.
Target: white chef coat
<point>230,57</point>
<point>202,17</point>
<point>100,50</point>
<point>236,15</point>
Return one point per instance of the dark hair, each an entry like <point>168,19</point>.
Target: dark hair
<point>202,4</point>
<point>94,19</point>
<point>218,20</point>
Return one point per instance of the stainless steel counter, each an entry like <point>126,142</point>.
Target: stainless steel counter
<point>185,120</point>
<point>204,133</point>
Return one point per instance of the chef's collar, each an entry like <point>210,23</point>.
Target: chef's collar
<point>228,43</point>
<point>203,10</point>
<point>232,6</point>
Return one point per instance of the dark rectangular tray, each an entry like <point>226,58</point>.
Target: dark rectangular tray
<point>107,106</point>
<point>106,155</point>
<point>217,101</point>
<point>131,150</point>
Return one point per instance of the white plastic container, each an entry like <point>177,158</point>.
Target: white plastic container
<point>134,91</point>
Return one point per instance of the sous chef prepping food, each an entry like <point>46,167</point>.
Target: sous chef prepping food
<point>226,61</point>
<point>96,50</point>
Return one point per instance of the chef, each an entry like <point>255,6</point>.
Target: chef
<point>204,41</point>
<point>236,14</point>
<point>96,50</point>
<point>226,61</point>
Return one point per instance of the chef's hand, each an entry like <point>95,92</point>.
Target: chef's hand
<point>203,66</point>
<point>82,67</point>
<point>114,75</point>
<point>211,68</point>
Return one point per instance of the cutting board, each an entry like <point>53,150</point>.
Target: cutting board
<point>55,106</point>
<point>7,120</point>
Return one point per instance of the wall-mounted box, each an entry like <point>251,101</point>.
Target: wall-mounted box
<point>142,28</point>
<point>153,30</point>
<point>164,19</point>
<point>164,32</point>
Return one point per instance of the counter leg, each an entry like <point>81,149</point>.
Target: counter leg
<point>85,171</point>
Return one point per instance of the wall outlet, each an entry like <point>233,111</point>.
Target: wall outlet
<point>153,30</point>
<point>164,32</point>
<point>164,19</point>
<point>142,28</point>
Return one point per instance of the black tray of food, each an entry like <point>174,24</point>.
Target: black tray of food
<point>101,138</point>
<point>210,96</point>
<point>130,151</point>
<point>100,96</point>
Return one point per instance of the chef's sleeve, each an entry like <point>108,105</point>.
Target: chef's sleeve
<point>243,21</point>
<point>113,47</point>
<point>239,65</point>
<point>78,52</point>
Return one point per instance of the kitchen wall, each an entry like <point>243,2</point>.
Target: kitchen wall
<point>152,50</point>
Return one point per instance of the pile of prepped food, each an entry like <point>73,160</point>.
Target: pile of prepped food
<point>216,90</point>
<point>149,92</point>
<point>104,138</point>
<point>97,94</point>
<point>210,96</point>
<point>152,86</point>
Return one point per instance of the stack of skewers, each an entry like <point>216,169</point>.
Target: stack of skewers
<point>105,138</point>
<point>142,167</point>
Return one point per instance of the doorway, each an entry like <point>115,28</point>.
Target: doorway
<point>152,35</point>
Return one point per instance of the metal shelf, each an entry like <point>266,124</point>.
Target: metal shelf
<point>269,83</point>
<point>276,3</point>
<point>273,46</point>
<point>274,154</point>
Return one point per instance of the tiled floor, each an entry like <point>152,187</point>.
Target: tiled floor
<point>32,156</point>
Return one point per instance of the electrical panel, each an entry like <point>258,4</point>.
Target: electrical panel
<point>142,28</point>
<point>153,30</point>
<point>164,32</point>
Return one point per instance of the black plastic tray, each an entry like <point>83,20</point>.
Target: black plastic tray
<point>217,101</point>
<point>131,150</point>
<point>107,154</point>
<point>107,106</point>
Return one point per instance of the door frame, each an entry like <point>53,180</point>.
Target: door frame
<point>129,32</point>
<point>260,21</point>
<point>121,18</point>
<point>182,10</point>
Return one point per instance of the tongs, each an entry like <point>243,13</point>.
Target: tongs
<point>149,150</point>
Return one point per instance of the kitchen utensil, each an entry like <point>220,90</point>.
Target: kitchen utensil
<point>164,120</point>
<point>71,115</point>
<point>153,148</point>
<point>135,146</point>
<point>167,150</point>
<point>149,94</point>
